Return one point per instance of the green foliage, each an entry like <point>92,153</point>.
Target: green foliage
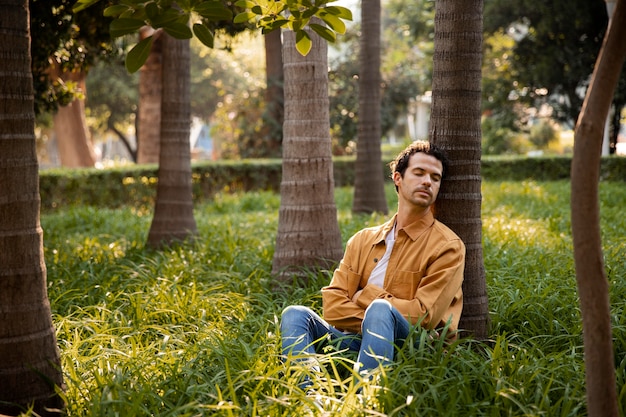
<point>296,16</point>
<point>112,97</point>
<point>130,16</point>
<point>194,330</point>
<point>135,186</point>
<point>503,116</point>
<point>343,86</point>
<point>542,134</point>
<point>500,139</point>
<point>406,70</point>
<point>547,35</point>
<point>243,127</point>
<point>174,18</point>
<point>74,42</point>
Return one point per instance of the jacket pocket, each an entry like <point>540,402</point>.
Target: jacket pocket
<point>354,283</point>
<point>404,284</point>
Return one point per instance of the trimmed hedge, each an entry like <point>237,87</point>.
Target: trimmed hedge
<point>135,185</point>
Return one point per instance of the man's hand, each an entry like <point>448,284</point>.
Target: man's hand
<point>356,295</point>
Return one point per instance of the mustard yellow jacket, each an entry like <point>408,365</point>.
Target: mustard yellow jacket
<point>423,278</point>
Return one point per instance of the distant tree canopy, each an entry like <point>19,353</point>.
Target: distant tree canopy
<point>555,44</point>
<point>406,68</point>
<point>74,41</point>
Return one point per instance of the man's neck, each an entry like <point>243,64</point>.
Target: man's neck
<point>407,216</point>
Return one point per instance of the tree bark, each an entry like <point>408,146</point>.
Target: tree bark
<point>70,127</point>
<point>308,232</point>
<point>593,286</point>
<point>369,183</point>
<point>149,111</point>
<point>173,214</point>
<point>274,93</point>
<point>455,126</point>
<point>30,365</point>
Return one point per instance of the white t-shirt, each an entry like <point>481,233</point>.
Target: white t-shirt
<point>377,277</point>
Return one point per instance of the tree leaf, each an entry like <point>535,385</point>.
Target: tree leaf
<point>324,32</point>
<point>277,23</point>
<point>178,31</point>
<point>297,25</point>
<point>213,10</point>
<point>339,11</point>
<point>244,17</point>
<point>203,34</point>
<point>121,27</point>
<point>245,4</point>
<point>165,19</point>
<point>152,10</point>
<point>334,22</point>
<point>113,11</point>
<point>303,42</point>
<point>138,54</point>
<point>82,5</point>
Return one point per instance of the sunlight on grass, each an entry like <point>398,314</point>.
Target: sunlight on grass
<point>193,330</point>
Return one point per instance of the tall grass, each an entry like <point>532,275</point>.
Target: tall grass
<point>193,330</point>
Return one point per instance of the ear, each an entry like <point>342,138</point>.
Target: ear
<point>397,178</point>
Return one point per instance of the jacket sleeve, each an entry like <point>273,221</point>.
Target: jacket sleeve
<point>339,309</point>
<point>438,298</point>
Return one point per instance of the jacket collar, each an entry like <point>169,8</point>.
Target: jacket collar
<point>413,230</point>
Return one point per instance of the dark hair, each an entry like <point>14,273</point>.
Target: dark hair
<point>401,162</point>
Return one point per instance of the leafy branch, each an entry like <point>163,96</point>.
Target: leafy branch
<point>187,18</point>
<point>296,15</point>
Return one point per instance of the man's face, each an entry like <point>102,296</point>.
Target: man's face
<point>421,181</point>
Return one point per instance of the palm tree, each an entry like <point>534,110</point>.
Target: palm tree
<point>369,185</point>
<point>274,96</point>
<point>593,285</point>
<point>149,111</point>
<point>173,213</point>
<point>455,126</point>
<point>70,125</point>
<point>308,232</point>
<point>30,366</point>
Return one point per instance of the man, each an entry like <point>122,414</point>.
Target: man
<point>405,272</point>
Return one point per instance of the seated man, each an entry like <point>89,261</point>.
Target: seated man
<point>405,272</point>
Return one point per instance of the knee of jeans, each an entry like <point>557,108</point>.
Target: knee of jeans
<point>379,309</point>
<point>290,315</point>
<point>379,306</point>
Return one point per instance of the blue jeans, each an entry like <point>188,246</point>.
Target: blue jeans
<point>383,327</point>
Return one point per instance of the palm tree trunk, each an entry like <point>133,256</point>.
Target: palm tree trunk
<point>593,285</point>
<point>308,231</point>
<point>455,126</point>
<point>30,366</point>
<point>369,183</point>
<point>173,213</point>
<point>70,126</point>
<point>274,95</point>
<point>149,111</point>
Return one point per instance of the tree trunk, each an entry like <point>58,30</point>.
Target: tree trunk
<point>274,94</point>
<point>173,214</point>
<point>593,286</point>
<point>30,366</point>
<point>308,231</point>
<point>149,111</point>
<point>455,126</point>
<point>70,127</point>
<point>369,183</point>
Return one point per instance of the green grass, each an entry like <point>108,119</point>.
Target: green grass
<point>193,330</point>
